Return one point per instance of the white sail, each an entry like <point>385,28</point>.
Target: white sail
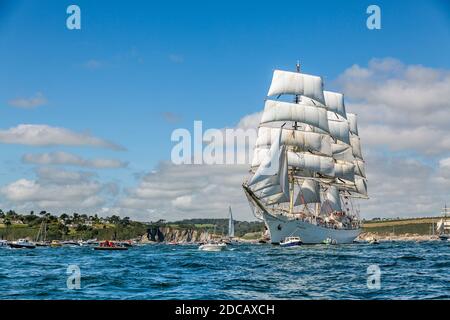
<point>278,193</point>
<point>360,168</point>
<point>351,117</point>
<point>361,185</point>
<point>271,178</point>
<point>355,142</point>
<point>230,224</point>
<point>277,199</point>
<point>332,200</point>
<point>266,183</point>
<point>285,111</point>
<point>344,171</point>
<point>303,140</point>
<point>270,163</point>
<point>440,225</point>
<point>284,82</point>
<point>311,162</point>
<point>342,152</point>
<point>334,102</point>
<point>339,128</point>
<point>309,192</point>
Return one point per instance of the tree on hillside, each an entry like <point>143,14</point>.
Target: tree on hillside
<point>114,219</point>
<point>125,221</point>
<point>12,215</point>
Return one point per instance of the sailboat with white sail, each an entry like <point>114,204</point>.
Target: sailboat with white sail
<point>307,168</point>
<point>443,225</point>
<point>230,224</point>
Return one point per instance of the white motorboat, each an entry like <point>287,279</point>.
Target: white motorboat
<point>290,242</point>
<point>329,241</point>
<point>22,244</point>
<point>213,246</point>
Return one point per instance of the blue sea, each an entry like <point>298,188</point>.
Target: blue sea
<point>409,270</point>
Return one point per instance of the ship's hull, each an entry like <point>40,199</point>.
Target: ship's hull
<point>281,227</point>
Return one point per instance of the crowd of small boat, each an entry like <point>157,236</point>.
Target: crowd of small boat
<point>94,243</point>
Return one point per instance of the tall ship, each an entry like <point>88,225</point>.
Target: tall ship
<point>307,171</point>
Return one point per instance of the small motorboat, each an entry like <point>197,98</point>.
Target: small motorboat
<point>22,244</point>
<point>42,244</point>
<point>90,242</point>
<point>211,246</point>
<point>71,243</point>
<point>329,241</point>
<point>290,242</point>
<point>110,246</point>
<point>444,237</point>
<point>374,241</point>
<point>55,244</point>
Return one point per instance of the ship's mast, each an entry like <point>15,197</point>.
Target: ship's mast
<point>295,127</point>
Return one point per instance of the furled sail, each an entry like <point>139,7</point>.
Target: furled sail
<point>334,102</point>
<point>309,192</point>
<point>285,82</point>
<point>303,140</point>
<point>285,111</point>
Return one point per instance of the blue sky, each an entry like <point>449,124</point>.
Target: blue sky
<point>133,61</point>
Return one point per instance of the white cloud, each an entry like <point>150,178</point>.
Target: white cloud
<point>44,135</point>
<point>24,190</point>
<point>188,191</point>
<point>401,107</point>
<point>403,115</point>
<point>28,103</point>
<point>60,176</point>
<point>65,158</point>
<point>59,190</point>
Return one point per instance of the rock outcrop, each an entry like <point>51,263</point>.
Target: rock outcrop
<point>171,234</point>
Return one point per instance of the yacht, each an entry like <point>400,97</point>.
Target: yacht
<point>22,244</point>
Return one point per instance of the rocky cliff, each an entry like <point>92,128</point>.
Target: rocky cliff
<point>168,234</point>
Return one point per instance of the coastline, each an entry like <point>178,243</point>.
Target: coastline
<point>412,237</point>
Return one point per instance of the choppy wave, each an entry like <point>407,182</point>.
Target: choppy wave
<point>408,271</point>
